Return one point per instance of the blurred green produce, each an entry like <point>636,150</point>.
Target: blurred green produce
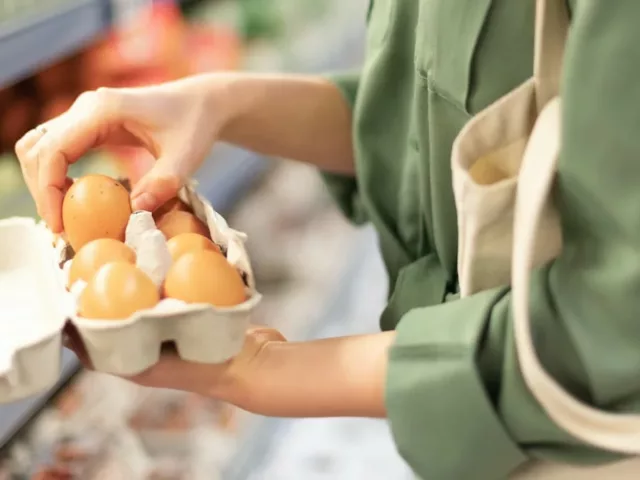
<point>260,19</point>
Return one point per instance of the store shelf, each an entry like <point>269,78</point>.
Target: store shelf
<point>30,43</point>
<point>15,415</point>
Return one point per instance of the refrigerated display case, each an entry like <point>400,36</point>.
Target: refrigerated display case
<point>30,33</point>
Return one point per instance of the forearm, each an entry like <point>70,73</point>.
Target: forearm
<point>322,378</point>
<point>296,117</point>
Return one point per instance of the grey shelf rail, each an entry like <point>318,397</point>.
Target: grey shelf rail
<point>14,416</point>
<point>31,41</point>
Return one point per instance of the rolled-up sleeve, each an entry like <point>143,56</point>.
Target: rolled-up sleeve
<point>457,402</point>
<point>344,188</point>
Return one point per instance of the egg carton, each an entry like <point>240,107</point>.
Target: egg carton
<point>36,305</point>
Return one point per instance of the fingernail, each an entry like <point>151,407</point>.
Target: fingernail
<point>144,201</point>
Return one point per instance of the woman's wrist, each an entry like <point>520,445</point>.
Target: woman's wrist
<point>297,117</point>
<point>221,97</point>
<point>229,96</point>
<point>232,381</point>
<point>322,378</point>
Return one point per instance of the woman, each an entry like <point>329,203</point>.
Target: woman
<point>444,371</point>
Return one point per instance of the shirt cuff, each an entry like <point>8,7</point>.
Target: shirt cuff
<point>344,188</point>
<point>441,416</point>
<point>347,83</point>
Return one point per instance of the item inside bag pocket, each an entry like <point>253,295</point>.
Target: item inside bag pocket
<point>501,164</point>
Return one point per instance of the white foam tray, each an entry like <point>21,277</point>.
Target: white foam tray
<point>36,306</point>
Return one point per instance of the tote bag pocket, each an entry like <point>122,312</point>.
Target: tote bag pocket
<point>486,161</point>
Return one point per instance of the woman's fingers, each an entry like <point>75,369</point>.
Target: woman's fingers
<point>25,152</point>
<point>172,125</point>
<point>156,187</point>
<point>51,188</point>
<point>45,160</point>
<point>29,139</point>
<point>66,140</point>
<point>176,161</point>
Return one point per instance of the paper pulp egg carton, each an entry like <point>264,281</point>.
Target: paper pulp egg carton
<point>36,305</point>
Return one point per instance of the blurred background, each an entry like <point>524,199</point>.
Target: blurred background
<point>320,276</point>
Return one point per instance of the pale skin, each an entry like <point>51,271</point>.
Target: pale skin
<point>297,117</point>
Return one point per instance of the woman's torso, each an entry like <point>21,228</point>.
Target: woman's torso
<point>430,65</point>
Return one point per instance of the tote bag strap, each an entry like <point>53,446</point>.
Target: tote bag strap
<point>615,432</point>
<point>551,29</point>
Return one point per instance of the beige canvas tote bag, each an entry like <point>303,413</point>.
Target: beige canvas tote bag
<point>486,161</point>
<point>504,163</point>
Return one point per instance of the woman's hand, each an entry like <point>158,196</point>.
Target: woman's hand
<point>270,376</point>
<point>177,122</point>
<point>231,381</point>
<point>296,117</point>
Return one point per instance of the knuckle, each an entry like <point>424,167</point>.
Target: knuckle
<point>40,153</point>
<point>85,98</point>
<point>93,102</point>
<point>107,100</point>
<point>21,146</point>
<point>24,144</point>
<point>19,149</point>
<point>30,159</point>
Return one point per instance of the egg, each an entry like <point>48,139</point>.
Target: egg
<point>177,222</point>
<point>170,206</point>
<point>205,277</point>
<point>95,206</point>
<point>93,255</point>
<point>116,292</point>
<point>189,242</point>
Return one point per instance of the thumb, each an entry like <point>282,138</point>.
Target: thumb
<point>160,184</point>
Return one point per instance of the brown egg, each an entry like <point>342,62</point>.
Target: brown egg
<point>170,206</point>
<point>205,277</point>
<point>95,206</point>
<point>116,292</point>
<point>189,242</point>
<point>95,254</point>
<point>177,222</point>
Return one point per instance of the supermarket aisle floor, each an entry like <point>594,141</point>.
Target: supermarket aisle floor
<point>339,449</point>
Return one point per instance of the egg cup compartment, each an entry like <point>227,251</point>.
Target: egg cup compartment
<point>36,306</point>
<point>201,334</point>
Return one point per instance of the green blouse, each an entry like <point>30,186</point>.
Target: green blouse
<point>456,400</point>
